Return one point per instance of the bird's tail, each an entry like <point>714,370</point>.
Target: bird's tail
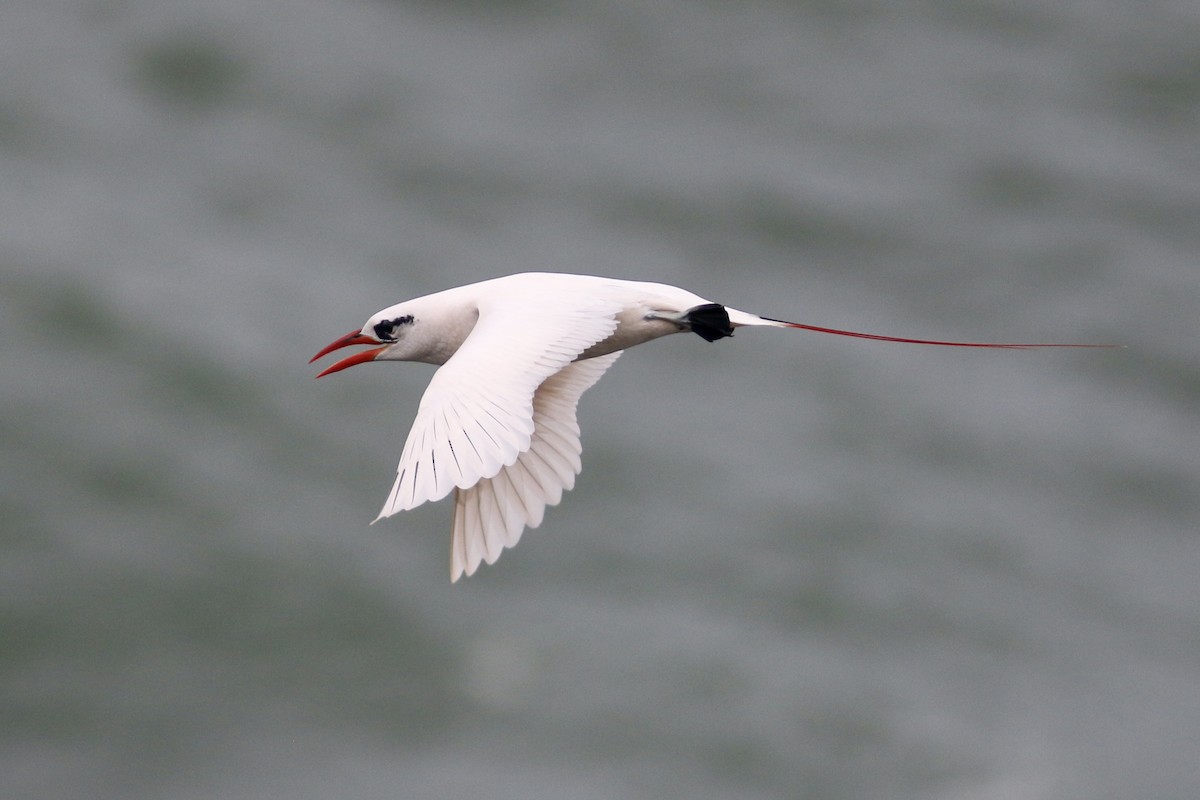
<point>742,318</point>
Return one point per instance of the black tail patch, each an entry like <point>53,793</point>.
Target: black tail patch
<point>710,321</point>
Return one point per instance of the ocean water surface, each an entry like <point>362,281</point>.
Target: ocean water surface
<point>794,566</point>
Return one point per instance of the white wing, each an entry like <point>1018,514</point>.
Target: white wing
<point>491,515</point>
<point>477,415</point>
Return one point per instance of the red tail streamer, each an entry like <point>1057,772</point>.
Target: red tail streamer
<point>1000,345</point>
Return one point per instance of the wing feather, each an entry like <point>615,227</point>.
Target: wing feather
<point>477,415</point>
<point>458,538</point>
<point>491,519</point>
<point>497,425</point>
<point>521,480</point>
<point>521,491</point>
<point>473,545</point>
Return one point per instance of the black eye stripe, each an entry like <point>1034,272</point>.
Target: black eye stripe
<point>386,330</point>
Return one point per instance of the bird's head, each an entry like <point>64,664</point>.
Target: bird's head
<point>387,328</point>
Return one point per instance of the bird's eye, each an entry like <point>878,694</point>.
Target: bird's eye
<point>386,331</point>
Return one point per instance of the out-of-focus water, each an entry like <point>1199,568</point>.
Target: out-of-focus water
<point>795,566</point>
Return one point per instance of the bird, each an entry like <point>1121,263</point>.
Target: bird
<point>497,424</point>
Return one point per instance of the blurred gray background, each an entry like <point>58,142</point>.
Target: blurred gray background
<point>795,565</point>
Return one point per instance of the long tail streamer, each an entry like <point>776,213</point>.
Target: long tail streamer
<point>1000,345</point>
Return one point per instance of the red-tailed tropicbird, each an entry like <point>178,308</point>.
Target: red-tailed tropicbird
<point>497,423</point>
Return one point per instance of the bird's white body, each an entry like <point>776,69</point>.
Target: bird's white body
<point>497,424</point>
<point>626,310</point>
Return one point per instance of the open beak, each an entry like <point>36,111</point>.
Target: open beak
<point>354,337</point>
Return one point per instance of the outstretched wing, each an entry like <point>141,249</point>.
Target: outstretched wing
<point>477,415</point>
<point>491,514</point>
